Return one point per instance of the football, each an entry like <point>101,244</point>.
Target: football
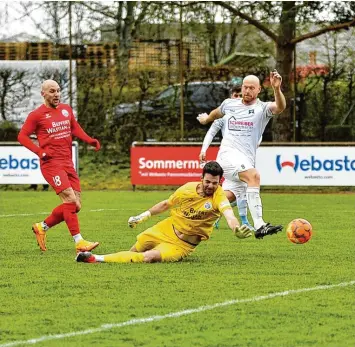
<point>299,231</point>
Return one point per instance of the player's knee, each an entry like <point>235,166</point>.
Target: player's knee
<point>257,177</point>
<point>152,256</point>
<point>68,196</point>
<point>252,178</point>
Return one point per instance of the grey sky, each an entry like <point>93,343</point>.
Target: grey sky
<point>11,22</point>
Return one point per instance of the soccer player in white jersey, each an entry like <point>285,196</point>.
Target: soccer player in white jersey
<point>245,121</point>
<point>235,190</point>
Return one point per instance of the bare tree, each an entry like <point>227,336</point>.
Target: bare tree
<point>54,20</point>
<point>60,75</point>
<point>283,32</point>
<point>123,18</point>
<point>15,87</point>
<point>51,24</point>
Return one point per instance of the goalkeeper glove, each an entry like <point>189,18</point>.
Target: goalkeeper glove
<point>135,220</point>
<point>242,232</point>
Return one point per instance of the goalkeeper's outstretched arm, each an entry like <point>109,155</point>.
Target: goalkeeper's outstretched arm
<point>160,207</point>
<point>241,232</point>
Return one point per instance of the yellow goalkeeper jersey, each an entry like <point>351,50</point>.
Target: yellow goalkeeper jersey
<point>193,214</point>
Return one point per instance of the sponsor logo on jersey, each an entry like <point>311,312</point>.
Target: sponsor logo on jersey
<point>193,214</point>
<point>63,125</point>
<point>47,115</point>
<point>65,113</point>
<point>314,164</point>
<point>208,205</point>
<point>239,125</point>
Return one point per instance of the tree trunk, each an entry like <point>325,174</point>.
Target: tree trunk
<point>124,31</point>
<point>3,96</point>
<point>282,124</point>
<point>324,114</point>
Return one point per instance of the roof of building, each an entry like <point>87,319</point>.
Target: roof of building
<point>21,37</point>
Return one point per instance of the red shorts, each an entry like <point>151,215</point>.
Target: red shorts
<point>61,176</point>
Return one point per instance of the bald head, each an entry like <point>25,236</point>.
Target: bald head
<point>47,84</point>
<point>51,93</point>
<point>250,89</point>
<point>251,79</point>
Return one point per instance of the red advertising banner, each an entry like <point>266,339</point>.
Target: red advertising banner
<point>167,165</point>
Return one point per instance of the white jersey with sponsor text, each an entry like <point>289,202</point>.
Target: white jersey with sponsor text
<point>244,125</point>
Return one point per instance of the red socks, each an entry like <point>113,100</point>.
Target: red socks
<point>71,218</point>
<point>66,212</point>
<point>56,217</point>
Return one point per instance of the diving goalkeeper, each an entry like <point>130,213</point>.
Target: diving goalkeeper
<point>194,207</point>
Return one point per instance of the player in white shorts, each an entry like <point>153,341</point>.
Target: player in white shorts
<point>235,189</point>
<point>245,121</point>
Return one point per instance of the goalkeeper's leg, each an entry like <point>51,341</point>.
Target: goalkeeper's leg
<point>151,256</point>
<point>163,252</point>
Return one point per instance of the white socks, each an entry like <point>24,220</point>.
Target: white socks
<point>99,258</point>
<point>44,226</point>
<point>77,238</point>
<point>242,205</point>
<point>255,206</point>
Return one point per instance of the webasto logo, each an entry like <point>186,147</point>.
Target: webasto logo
<point>18,163</point>
<point>314,164</point>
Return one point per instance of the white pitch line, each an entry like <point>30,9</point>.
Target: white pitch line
<point>128,209</point>
<point>22,214</point>
<point>47,213</point>
<point>105,327</point>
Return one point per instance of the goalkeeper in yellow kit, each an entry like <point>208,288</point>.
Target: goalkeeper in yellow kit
<point>194,207</point>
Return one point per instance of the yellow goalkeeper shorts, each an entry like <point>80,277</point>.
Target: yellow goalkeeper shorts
<point>162,237</point>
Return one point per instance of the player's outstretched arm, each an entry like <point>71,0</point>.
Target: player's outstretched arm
<point>205,118</point>
<point>156,209</point>
<point>242,232</point>
<point>79,132</point>
<point>279,104</point>
<point>211,133</point>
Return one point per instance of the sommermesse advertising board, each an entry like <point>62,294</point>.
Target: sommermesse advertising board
<point>278,166</point>
<point>18,165</point>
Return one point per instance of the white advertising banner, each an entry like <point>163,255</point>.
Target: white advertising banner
<point>18,165</point>
<point>306,166</point>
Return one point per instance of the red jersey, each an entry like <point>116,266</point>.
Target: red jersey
<point>53,128</point>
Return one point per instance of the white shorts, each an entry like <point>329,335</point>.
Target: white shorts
<point>233,162</point>
<point>237,187</point>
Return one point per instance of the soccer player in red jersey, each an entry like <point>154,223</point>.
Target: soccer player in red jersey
<point>54,125</point>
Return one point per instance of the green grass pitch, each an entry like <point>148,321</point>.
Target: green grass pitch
<point>48,296</point>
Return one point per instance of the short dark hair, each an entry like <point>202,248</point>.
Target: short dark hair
<point>212,168</point>
<point>237,88</point>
